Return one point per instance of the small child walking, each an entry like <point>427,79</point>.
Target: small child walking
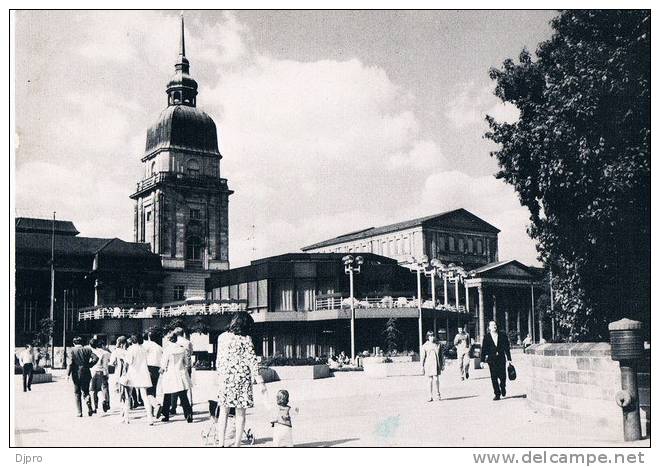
<point>281,422</point>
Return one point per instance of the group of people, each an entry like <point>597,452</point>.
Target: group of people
<point>146,373</point>
<point>156,376</point>
<point>495,351</point>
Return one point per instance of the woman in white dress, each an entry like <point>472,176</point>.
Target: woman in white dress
<point>175,380</point>
<point>432,363</point>
<point>137,374</point>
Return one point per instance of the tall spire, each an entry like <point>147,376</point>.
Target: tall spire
<point>182,89</point>
<point>182,43</point>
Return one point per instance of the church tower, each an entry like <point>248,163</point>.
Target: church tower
<point>181,204</point>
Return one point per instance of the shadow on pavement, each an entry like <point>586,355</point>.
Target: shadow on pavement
<point>458,397</point>
<point>519,396</point>
<point>322,444</point>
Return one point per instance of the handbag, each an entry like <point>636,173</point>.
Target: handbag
<point>511,372</point>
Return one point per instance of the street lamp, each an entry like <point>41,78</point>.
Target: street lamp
<point>437,268</point>
<point>419,266</point>
<point>352,266</point>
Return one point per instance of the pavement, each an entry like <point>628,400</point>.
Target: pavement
<point>348,409</point>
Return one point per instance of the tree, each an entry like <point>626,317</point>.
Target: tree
<point>42,338</point>
<point>579,159</point>
<point>200,325</point>
<point>392,334</point>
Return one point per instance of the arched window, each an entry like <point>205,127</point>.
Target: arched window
<point>194,248</point>
<point>193,167</point>
<point>153,168</point>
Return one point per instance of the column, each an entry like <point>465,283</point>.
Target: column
<point>457,298</point>
<point>518,327</point>
<point>532,315</point>
<point>444,278</point>
<point>467,299</point>
<point>495,308</point>
<point>482,324</point>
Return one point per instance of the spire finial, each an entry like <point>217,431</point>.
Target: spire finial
<point>182,43</point>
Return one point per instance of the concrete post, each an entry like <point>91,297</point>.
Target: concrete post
<point>628,348</point>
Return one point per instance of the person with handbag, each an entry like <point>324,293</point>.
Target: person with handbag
<point>495,350</point>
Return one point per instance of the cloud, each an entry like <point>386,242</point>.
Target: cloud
<point>312,148</point>
<point>489,198</point>
<point>472,103</point>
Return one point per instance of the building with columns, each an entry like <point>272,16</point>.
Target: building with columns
<point>460,238</point>
<point>181,203</point>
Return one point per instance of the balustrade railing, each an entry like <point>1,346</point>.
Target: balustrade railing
<point>102,312</point>
<point>335,303</point>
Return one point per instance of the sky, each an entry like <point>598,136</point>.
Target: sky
<point>328,122</point>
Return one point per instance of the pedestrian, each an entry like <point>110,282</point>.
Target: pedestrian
<point>527,341</point>
<point>281,422</point>
<point>432,363</point>
<point>175,380</point>
<point>26,360</point>
<point>495,350</point>
<point>138,372</point>
<point>462,343</point>
<point>118,360</point>
<point>154,358</point>
<point>100,376</point>
<point>237,370</point>
<point>82,359</point>
<point>187,345</point>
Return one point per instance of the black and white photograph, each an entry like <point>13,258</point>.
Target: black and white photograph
<point>331,228</point>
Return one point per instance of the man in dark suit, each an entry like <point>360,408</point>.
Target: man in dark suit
<point>82,359</point>
<point>495,350</point>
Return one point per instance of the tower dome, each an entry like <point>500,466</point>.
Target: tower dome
<point>182,126</point>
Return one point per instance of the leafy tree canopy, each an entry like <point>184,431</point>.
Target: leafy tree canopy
<point>579,159</point>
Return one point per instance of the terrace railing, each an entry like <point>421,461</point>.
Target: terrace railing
<point>184,309</point>
<point>335,303</point>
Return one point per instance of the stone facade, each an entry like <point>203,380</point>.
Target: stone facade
<point>577,382</point>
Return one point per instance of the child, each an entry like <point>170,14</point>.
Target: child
<point>281,422</point>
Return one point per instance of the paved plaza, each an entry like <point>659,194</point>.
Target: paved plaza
<point>348,409</point>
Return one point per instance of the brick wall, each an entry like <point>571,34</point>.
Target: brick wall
<point>577,382</point>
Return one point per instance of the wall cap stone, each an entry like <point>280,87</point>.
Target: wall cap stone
<point>592,349</point>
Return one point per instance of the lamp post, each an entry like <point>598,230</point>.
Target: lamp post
<point>352,266</point>
<point>436,269</point>
<point>419,266</point>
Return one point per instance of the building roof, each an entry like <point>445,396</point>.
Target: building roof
<point>185,128</point>
<point>319,257</point>
<point>40,243</point>
<point>446,216</point>
<point>509,267</point>
<point>34,225</point>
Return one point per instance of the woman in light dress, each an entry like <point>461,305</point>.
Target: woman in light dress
<point>175,380</point>
<point>237,368</point>
<point>431,358</point>
<point>118,360</point>
<point>137,375</point>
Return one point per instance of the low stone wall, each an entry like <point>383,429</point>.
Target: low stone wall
<point>398,359</point>
<point>37,378</point>
<point>281,373</point>
<point>384,370</point>
<point>577,382</point>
